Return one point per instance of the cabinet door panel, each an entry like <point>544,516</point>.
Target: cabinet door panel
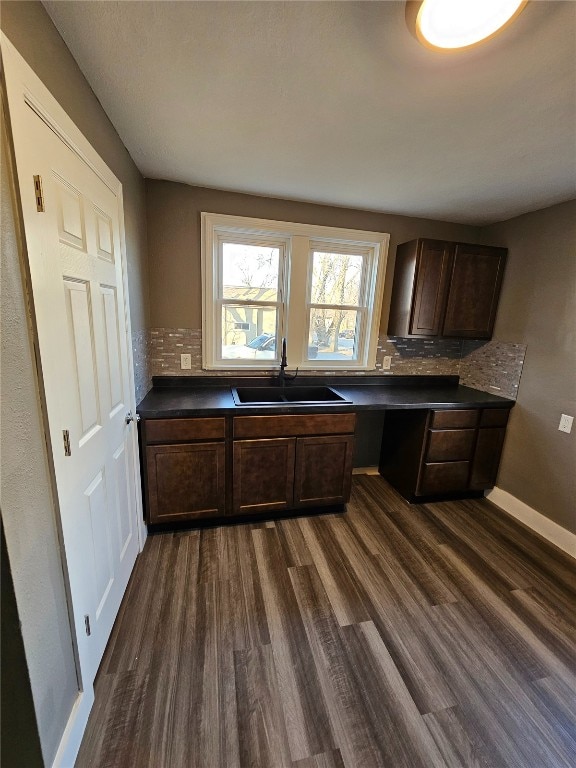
<point>185,481</point>
<point>487,458</point>
<point>474,291</point>
<point>263,475</point>
<point>323,470</point>
<point>430,290</point>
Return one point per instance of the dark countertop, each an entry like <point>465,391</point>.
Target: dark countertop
<point>180,397</point>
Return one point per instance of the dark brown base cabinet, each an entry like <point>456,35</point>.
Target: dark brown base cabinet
<point>442,453</point>
<point>208,468</point>
<point>185,481</point>
<point>184,469</point>
<point>290,462</point>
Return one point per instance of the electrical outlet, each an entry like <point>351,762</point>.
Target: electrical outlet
<point>565,423</point>
<point>386,362</point>
<point>185,362</point>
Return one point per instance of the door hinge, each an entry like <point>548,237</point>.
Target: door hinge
<point>87,624</point>
<point>66,436</point>
<point>39,194</point>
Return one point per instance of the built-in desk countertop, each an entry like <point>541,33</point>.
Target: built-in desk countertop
<point>180,397</point>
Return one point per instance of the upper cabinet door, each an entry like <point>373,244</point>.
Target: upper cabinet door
<point>430,287</point>
<point>474,290</point>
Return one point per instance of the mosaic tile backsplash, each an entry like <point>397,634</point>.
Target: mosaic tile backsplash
<point>141,357</point>
<point>435,357</point>
<point>491,366</point>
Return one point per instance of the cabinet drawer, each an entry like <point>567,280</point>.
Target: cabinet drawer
<point>294,426</point>
<point>174,430</point>
<point>494,417</point>
<point>450,444</point>
<point>444,477</point>
<point>454,419</point>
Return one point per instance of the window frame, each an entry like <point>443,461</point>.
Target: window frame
<point>298,243</point>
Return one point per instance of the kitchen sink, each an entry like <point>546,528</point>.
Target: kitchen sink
<point>278,396</point>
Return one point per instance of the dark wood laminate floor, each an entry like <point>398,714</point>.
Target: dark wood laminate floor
<point>393,635</point>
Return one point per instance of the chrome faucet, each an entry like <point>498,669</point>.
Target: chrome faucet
<point>283,377</point>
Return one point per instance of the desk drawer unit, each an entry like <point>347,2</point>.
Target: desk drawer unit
<point>443,453</point>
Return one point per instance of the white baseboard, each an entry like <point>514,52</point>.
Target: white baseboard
<point>74,731</point>
<point>548,529</point>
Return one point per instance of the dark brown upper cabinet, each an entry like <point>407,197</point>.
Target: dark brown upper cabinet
<point>445,289</point>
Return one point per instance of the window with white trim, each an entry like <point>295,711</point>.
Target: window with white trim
<point>318,287</point>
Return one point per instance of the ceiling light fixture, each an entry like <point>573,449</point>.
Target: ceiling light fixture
<point>456,24</point>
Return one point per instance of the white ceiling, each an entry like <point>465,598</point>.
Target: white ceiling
<point>336,102</point>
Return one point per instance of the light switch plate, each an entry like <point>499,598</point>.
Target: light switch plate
<point>386,362</point>
<point>566,423</point>
<point>185,362</point>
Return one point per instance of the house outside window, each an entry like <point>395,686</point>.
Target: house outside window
<point>319,287</point>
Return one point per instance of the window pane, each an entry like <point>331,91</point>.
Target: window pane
<point>336,278</point>
<point>333,334</point>
<point>248,333</point>
<point>250,272</point>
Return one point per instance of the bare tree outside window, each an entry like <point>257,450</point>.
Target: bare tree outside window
<point>334,298</point>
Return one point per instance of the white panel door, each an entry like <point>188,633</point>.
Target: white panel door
<point>76,271</point>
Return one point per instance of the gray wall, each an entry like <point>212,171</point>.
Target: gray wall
<point>173,214</point>
<point>27,505</point>
<point>538,308</point>
<point>31,31</point>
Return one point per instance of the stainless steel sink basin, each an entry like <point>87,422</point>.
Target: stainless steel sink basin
<point>278,396</point>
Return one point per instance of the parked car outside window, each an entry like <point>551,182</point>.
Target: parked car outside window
<point>263,347</point>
